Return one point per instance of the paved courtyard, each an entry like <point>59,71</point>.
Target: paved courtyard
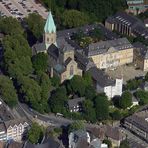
<point>126,71</point>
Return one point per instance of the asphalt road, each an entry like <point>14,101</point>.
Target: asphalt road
<point>57,121</point>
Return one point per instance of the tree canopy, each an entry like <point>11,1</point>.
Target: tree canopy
<point>35,133</point>
<point>125,100</point>
<point>101,107</point>
<point>36,24</point>
<point>40,62</point>
<point>8,91</point>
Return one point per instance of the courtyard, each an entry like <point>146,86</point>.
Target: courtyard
<point>126,71</point>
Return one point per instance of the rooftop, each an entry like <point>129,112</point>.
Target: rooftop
<point>105,46</point>
<point>139,120</point>
<point>100,77</point>
<point>75,102</point>
<point>141,49</point>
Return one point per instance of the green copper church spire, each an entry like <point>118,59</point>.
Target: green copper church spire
<point>50,26</point>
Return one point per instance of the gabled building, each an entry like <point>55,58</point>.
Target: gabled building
<point>75,105</point>
<point>60,53</point>
<point>137,6</point>
<point>141,56</point>
<point>111,54</point>
<point>104,84</point>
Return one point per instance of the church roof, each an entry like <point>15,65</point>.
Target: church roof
<point>50,25</point>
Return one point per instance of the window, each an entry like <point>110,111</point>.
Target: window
<point>47,39</point>
<point>71,70</point>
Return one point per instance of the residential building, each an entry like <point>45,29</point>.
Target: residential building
<point>115,135</point>
<point>111,54</point>
<point>141,56</point>
<point>46,143</point>
<point>134,101</point>
<point>16,129</point>
<point>60,53</point>
<point>75,105</point>
<point>138,124</point>
<point>3,133</point>
<point>103,83</point>
<point>83,139</point>
<point>137,6</point>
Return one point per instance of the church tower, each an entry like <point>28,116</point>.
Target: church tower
<point>49,31</point>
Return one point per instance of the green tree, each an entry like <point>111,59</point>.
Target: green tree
<point>40,62</point>
<point>108,142</point>
<point>101,107</point>
<point>31,93</point>
<point>10,26</point>
<point>35,133</point>
<point>89,111</point>
<point>143,96</point>
<point>90,92</point>
<point>8,91</point>
<point>78,85</point>
<point>55,81</point>
<point>97,34</point>
<point>124,144</point>
<point>77,125</point>
<point>36,24</point>
<point>74,18</point>
<point>125,100</point>
<point>116,115</point>
<point>58,99</point>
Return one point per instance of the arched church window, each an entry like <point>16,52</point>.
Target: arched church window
<point>71,70</point>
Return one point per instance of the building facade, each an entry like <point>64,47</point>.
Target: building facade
<point>60,53</point>
<point>138,124</point>
<point>13,129</point>
<point>111,54</point>
<point>75,105</point>
<point>103,83</point>
<point>137,6</point>
<point>141,56</point>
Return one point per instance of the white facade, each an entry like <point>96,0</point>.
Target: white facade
<point>115,90</point>
<point>16,132</point>
<point>3,136</point>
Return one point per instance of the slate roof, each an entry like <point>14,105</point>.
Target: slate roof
<point>75,102</point>
<point>141,49</point>
<point>2,127</point>
<point>103,46</point>
<point>67,61</point>
<point>49,143</point>
<point>15,121</point>
<point>123,17</point>
<point>100,77</point>
<point>39,47</point>
<point>139,121</point>
<point>114,133</point>
<point>53,51</point>
<point>5,115</point>
<point>59,68</point>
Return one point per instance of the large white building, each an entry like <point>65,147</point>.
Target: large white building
<point>13,129</point>
<point>103,83</point>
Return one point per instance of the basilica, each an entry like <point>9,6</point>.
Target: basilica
<point>61,60</point>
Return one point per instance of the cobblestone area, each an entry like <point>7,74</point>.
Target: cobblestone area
<point>126,71</point>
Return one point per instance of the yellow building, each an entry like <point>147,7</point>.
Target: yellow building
<point>111,54</point>
<point>141,56</point>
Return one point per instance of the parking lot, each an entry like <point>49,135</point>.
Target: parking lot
<point>126,71</point>
<point>21,8</point>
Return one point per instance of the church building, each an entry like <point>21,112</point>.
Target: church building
<point>60,53</point>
